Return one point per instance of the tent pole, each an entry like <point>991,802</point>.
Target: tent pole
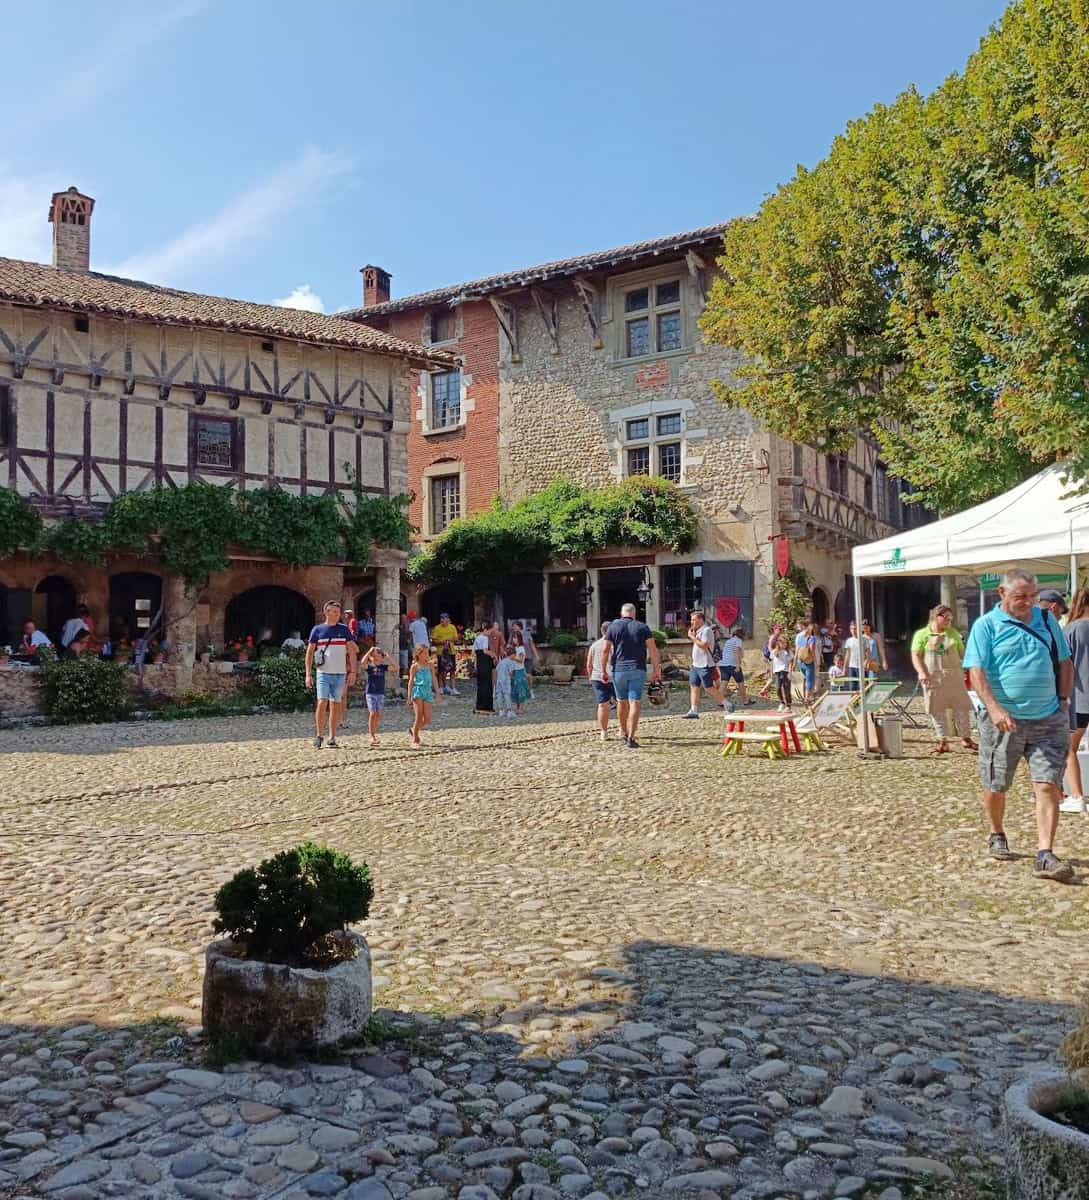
<point>861,666</point>
<point>1073,575</point>
<point>982,599</point>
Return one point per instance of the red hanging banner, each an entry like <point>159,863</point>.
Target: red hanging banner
<point>782,554</point>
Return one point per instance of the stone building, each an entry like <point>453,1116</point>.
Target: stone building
<point>594,368</point>
<point>111,385</point>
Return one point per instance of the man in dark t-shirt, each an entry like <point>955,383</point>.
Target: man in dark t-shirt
<point>628,644</point>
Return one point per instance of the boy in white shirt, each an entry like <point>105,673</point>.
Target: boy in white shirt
<point>702,673</point>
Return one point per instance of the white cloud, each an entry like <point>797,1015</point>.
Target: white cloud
<point>25,231</point>
<point>254,215</point>
<point>303,297</point>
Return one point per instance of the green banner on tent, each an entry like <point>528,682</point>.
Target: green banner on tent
<point>990,582</point>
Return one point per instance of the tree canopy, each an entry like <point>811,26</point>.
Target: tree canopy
<point>563,521</point>
<point>928,281</point>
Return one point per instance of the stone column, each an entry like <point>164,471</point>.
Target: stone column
<point>179,611</point>
<point>387,602</point>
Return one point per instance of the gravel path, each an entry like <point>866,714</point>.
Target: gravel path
<point>603,972</point>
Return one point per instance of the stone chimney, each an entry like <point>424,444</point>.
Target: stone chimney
<point>70,213</point>
<point>375,285</point>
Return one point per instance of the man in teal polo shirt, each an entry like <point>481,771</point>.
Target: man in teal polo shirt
<point>1019,665</point>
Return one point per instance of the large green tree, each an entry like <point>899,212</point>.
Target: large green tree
<point>928,281</point>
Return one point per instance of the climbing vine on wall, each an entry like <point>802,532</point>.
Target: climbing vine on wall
<point>190,529</point>
<point>562,521</point>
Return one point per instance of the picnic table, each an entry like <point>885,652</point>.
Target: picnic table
<point>776,742</point>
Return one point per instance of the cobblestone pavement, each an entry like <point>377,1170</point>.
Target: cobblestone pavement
<point>602,972</point>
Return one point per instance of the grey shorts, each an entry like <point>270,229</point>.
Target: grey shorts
<point>1042,743</point>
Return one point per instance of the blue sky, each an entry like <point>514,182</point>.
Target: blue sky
<point>255,149</point>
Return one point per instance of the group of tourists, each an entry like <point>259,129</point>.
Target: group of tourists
<point>77,637</point>
<point>815,649</point>
<point>504,670</point>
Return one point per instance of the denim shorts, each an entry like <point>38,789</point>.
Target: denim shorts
<point>629,684</point>
<point>375,703</point>
<point>701,677</point>
<point>602,691</point>
<point>1042,743</point>
<point>330,687</point>
<point>734,673</point>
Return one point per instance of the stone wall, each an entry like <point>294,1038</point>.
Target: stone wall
<point>22,691</point>
<point>565,405</point>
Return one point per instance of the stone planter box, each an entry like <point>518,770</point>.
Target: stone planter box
<point>224,668</point>
<point>563,673</point>
<point>279,1009</point>
<point>1044,1160</point>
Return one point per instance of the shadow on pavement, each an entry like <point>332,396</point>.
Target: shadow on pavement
<point>673,1070</point>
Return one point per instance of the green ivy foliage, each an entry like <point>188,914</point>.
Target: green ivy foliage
<point>791,598</point>
<point>295,529</point>
<point>191,528</point>
<point>84,689</point>
<point>285,910</point>
<point>20,525</point>
<point>561,522</point>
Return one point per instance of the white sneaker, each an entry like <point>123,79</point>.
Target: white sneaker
<point>1073,804</point>
<point>453,692</point>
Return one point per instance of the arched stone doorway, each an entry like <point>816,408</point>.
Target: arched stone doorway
<point>818,598</point>
<point>447,598</point>
<point>135,598</point>
<point>54,603</point>
<point>267,614</point>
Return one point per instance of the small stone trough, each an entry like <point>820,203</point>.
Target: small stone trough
<point>282,1010</point>
<point>1045,1160</point>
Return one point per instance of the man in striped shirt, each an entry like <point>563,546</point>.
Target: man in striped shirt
<point>331,650</point>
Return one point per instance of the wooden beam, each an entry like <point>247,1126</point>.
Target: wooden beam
<point>507,316</point>
<point>697,268</point>
<point>546,307</point>
<point>590,297</point>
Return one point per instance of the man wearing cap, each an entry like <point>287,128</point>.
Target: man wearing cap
<point>1053,601</point>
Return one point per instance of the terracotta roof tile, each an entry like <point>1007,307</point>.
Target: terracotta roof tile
<point>551,270</point>
<point>87,291</point>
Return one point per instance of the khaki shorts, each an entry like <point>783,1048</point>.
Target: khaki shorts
<point>1041,743</point>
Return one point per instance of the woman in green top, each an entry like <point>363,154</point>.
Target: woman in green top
<point>936,652</point>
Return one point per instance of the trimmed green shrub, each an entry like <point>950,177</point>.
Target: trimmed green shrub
<point>281,684</point>
<point>85,689</point>
<point>291,907</point>
<point>660,638</point>
<point>564,643</point>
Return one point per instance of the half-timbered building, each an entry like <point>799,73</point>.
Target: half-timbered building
<point>109,385</point>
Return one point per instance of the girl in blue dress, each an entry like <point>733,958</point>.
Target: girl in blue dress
<point>421,691</point>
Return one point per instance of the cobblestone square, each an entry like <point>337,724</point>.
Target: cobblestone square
<point>599,972</point>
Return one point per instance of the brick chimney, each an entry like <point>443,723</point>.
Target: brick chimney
<point>70,213</point>
<point>375,285</point>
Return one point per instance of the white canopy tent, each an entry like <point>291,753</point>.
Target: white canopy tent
<point>1037,525</point>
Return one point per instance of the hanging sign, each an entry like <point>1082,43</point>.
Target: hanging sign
<point>782,554</point>
<point>727,611</point>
